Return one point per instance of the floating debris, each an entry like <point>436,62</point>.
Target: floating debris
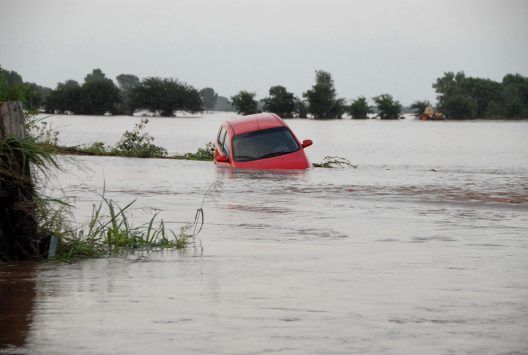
<point>334,162</point>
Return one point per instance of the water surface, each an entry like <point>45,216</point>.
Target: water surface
<point>421,249</point>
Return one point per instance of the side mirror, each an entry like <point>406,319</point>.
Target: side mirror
<point>307,143</point>
<point>221,158</point>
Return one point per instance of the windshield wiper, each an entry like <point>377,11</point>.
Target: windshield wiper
<point>244,158</point>
<point>274,154</point>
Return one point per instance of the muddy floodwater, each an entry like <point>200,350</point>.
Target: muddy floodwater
<point>421,249</point>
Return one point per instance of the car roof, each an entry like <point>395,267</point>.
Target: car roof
<point>256,122</point>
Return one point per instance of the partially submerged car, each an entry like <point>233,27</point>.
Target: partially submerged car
<point>261,141</point>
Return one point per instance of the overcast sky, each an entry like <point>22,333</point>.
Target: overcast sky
<point>369,46</point>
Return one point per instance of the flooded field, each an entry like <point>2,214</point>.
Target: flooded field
<point>423,248</point>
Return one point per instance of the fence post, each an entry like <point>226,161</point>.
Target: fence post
<point>12,119</point>
<point>18,226</point>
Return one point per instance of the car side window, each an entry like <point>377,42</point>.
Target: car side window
<point>225,144</point>
<point>221,135</point>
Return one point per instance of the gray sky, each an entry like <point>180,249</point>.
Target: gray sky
<point>369,46</point>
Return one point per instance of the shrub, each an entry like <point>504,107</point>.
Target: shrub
<point>138,144</point>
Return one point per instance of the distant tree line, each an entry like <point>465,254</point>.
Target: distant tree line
<point>99,95</point>
<point>13,88</point>
<point>458,97</point>
<point>321,102</point>
<point>462,97</point>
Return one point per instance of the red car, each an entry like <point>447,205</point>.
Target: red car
<point>261,141</point>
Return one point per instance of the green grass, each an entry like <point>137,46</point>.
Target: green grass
<point>19,200</point>
<point>109,232</point>
<point>204,154</point>
<point>100,149</point>
<point>134,143</point>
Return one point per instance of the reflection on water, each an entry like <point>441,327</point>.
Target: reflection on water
<point>17,297</point>
<point>389,257</point>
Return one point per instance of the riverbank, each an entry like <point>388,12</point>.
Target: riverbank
<point>203,154</point>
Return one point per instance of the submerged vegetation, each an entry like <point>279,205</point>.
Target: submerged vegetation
<point>388,108</point>
<point>334,162</point>
<point>108,232</point>
<point>29,220</point>
<point>359,108</point>
<point>205,154</point>
<point>135,143</point>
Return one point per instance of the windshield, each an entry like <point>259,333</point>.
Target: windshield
<point>264,144</point>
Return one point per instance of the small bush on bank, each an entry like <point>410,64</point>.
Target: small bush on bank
<point>138,144</point>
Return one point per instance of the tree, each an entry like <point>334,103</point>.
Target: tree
<point>35,95</point>
<point>99,94</point>
<point>223,104</point>
<point>280,102</point>
<point>359,108</point>
<point>126,83</point>
<point>99,97</point>
<point>165,96</point>
<point>13,88</point>
<point>66,97</point>
<point>11,77</point>
<point>94,76</point>
<point>419,107</point>
<point>514,95</point>
<point>481,92</point>
<point>96,96</point>
<point>244,103</point>
<point>192,102</point>
<point>387,107</point>
<point>462,97</point>
<point>301,109</point>
<point>209,98</point>
<point>322,102</point>
<point>459,106</point>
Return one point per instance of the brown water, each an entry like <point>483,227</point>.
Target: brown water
<point>421,249</point>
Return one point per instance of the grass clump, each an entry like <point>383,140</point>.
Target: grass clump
<point>98,148</point>
<point>204,154</point>
<point>18,198</point>
<point>109,232</point>
<point>334,162</point>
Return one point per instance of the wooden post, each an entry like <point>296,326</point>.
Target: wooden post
<point>12,119</point>
<point>18,226</point>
